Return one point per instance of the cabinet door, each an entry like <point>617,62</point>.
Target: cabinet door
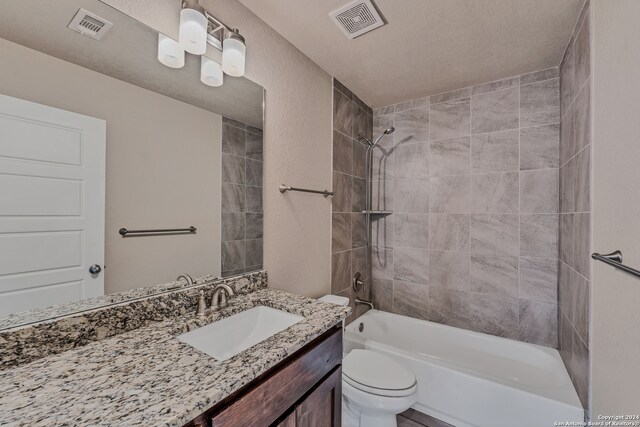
<point>323,407</point>
<point>290,421</point>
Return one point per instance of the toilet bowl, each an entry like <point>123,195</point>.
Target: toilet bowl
<point>375,388</point>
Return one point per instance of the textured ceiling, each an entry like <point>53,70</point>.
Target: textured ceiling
<point>126,52</point>
<point>428,46</point>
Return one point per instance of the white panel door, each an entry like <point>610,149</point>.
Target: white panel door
<point>52,177</point>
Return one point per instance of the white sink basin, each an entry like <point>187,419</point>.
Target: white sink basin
<point>227,337</point>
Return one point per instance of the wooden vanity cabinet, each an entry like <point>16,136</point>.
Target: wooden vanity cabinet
<point>303,390</point>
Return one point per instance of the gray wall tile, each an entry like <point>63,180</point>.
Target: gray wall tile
<point>495,192</point>
<point>538,235</point>
<point>450,119</point>
<point>583,183</point>
<point>583,55</point>
<point>580,370</point>
<point>340,232</point>
<point>495,111</point>
<point>344,112</point>
<point>358,236</point>
<point>253,252</point>
<point>233,226</point>
<point>411,196</point>
<point>382,263</point>
<point>411,230</point>
<point>382,193</point>
<point>342,153</point>
<point>232,255</point>
<point>253,172</point>
<point>581,304</point>
<point>495,152</point>
<point>253,199</point>
<point>382,231</point>
<point>540,147</point>
<point>412,161</point>
<point>537,76</point>
<point>567,83</point>
<point>494,274</point>
<point>496,85</point>
<point>582,244</point>
<point>538,279</point>
<point>233,140</point>
<point>253,146</point>
<point>342,188</point>
<point>382,294</point>
<point>449,270</point>
<point>449,194</point>
<point>450,96</point>
<point>494,315</point>
<point>449,307</point>
<point>340,271</point>
<point>449,232</point>
<point>233,197</point>
<point>495,234</point>
<point>540,103</point>
<point>539,191</point>
<point>412,126</point>
<point>411,264</point>
<point>233,169</point>
<point>410,299</point>
<point>254,225</point>
<point>449,156</point>
<point>538,323</point>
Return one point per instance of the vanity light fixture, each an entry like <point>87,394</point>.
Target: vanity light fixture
<point>210,72</point>
<point>170,53</point>
<point>198,28</point>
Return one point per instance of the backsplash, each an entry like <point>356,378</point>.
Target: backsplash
<point>31,342</point>
<point>471,176</point>
<point>351,118</point>
<point>242,212</point>
<point>574,288</point>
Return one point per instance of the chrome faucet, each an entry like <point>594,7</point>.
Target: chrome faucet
<point>187,278</point>
<point>219,298</point>
<point>364,302</point>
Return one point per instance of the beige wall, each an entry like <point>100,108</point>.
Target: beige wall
<point>615,346</point>
<point>163,165</point>
<point>297,142</point>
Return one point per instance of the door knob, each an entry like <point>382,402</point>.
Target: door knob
<point>95,269</point>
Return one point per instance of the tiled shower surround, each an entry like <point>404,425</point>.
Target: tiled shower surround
<point>471,177</point>
<point>242,219</point>
<point>574,287</point>
<point>351,118</point>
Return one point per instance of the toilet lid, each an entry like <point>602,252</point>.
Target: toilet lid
<point>376,373</point>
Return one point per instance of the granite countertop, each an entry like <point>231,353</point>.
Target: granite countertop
<point>147,376</point>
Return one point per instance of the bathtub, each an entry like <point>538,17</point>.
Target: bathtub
<point>472,379</point>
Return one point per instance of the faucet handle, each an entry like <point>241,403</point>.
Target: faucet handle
<point>202,302</point>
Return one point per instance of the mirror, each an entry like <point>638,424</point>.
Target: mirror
<point>97,136</point>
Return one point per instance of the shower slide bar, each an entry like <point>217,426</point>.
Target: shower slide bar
<point>124,232</point>
<point>284,188</point>
<point>614,259</point>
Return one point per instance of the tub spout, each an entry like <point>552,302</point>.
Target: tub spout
<point>364,302</point>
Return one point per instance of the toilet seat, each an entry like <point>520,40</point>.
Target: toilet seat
<point>377,374</point>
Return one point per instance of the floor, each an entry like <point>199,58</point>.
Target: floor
<point>413,418</point>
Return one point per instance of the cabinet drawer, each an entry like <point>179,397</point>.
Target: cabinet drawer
<point>265,402</point>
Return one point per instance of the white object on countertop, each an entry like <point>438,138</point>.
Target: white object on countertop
<point>227,337</point>
<point>335,299</point>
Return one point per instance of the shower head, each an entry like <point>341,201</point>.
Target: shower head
<point>389,131</point>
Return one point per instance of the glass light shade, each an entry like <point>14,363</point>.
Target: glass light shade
<point>193,31</point>
<point>233,56</point>
<point>210,72</point>
<point>170,53</point>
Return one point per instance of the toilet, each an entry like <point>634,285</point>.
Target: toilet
<point>375,388</point>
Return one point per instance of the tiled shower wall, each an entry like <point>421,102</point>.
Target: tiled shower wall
<point>471,178</point>
<point>351,119</point>
<point>241,198</point>
<point>575,206</point>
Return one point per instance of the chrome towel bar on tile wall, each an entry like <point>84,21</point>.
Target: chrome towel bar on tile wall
<point>124,232</point>
<point>284,188</point>
<point>614,259</point>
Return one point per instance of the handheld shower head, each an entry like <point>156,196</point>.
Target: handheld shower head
<point>389,131</point>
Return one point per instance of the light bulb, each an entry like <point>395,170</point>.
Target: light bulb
<point>193,31</point>
<point>210,72</point>
<point>233,54</point>
<point>170,53</point>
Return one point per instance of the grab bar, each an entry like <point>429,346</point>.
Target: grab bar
<point>614,259</point>
<point>284,188</point>
<point>123,231</point>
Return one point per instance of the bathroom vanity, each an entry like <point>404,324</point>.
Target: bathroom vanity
<point>302,390</point>
<point>65,371</point>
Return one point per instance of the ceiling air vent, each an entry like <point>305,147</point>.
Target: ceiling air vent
<point>89,24</point>
<point>357,18</point>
